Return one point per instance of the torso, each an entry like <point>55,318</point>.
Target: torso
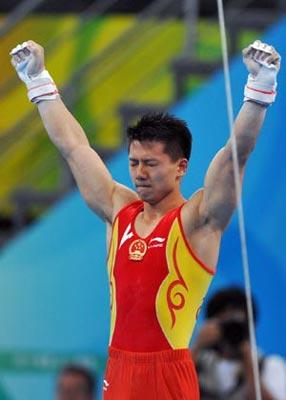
<point>204,240</point>
<point>157,283</point>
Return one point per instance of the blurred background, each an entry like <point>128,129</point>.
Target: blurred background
<point>113,61</point>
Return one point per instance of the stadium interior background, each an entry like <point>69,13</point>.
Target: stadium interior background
<point>113,61</point>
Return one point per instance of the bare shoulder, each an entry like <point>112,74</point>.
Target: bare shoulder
<point>191,211</point>
<point>98,188</point>
<point>122,197</point>
<point>203,237</point>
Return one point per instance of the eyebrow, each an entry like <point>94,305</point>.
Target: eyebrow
<point>144,159</point>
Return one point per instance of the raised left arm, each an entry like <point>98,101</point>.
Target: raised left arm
<point>219,198</point>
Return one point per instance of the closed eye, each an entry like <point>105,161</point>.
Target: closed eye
<point>133,162</point>
<point>148,163</point>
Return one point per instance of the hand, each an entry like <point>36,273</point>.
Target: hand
<point>260,58</point>
<point>28,60</point>
<point>263,63</point>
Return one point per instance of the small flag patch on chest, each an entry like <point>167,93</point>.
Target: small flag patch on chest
<point>137,250</point>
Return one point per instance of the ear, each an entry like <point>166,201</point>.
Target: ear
<point>182,166</point>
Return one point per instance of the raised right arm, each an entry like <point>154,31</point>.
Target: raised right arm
<point>100,191</point>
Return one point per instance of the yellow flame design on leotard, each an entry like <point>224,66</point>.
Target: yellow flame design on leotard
<point>110,265</point>
<point>182,292</point>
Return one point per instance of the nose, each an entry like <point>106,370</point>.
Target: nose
<point>141,172</point>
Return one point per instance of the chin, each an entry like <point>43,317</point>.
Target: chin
<point>150,196</point>
<point>146,198</point>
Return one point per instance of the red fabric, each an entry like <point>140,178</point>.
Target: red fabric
<point>166,375</point>
<point>138,281</point>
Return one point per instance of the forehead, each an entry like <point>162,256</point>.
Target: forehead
<point>147,149</point>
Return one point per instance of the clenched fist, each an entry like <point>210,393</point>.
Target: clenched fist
<point>263,64</point>
<point>28,60</point>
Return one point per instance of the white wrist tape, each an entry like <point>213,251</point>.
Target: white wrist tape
<point>261,84</point>
<point>259,91</point>
<point>41,87</point>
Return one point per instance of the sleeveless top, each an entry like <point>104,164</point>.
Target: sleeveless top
<point>157,284</point>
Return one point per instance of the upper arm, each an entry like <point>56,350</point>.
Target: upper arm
<point>208,211</point>
<point>219,195</point>
<point>100,191</point>
<point>219,200</point>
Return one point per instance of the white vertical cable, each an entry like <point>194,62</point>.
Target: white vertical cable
<point>239,202</point>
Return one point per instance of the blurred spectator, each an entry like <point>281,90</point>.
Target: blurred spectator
<point>222,353</point>
<point>76,383</point>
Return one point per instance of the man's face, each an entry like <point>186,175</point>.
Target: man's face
<point>153,172</point>
<point>72,387</point>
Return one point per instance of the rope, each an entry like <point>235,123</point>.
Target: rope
<point>241,219</point>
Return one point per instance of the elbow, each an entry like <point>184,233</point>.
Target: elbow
<point>243,150</point>
<point>73,152</point>
<point>243,154</point>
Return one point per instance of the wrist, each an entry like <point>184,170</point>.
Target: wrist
<point>41,87</point>
<point>261,90</point>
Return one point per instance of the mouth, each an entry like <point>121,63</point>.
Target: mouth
<point>143,190</point>
<point>142,186</point>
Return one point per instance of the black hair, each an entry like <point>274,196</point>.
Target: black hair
<point>84,373</point>
<point>231,298</point>
<point>165,128</point>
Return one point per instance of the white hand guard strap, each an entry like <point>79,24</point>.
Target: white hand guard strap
<point>259,88</point>
<point>41,87</point>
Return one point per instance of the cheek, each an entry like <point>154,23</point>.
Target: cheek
<point>161,178</point>
<point>131,173</point>
<point>157,176</point>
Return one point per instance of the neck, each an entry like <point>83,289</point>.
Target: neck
<point>157,210</point>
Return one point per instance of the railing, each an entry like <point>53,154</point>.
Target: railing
<point>94,10</point>
<point>21,11</point>
<point>98,69</point>
<point>27,131</point>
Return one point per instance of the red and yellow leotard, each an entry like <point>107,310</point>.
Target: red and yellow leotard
<point>157,284</point>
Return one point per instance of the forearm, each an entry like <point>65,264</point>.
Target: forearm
<point>63,129</point>
<point>263,63</point>
<point>247,127</point>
